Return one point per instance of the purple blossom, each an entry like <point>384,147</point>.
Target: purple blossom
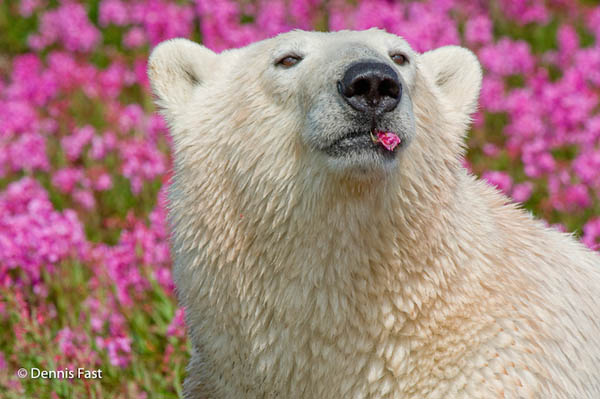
<point>32,234</point>
<point>162,20</point>
<point>219,22</point>
<point>490,150</point>
<point>478,30</point>
<point>493,57</point>
<point>591,234</point>
<point>73,145</point>
<point>28,153</point>
<point>103,182</point>
<point>142,161</point>
<point>501,180</point>
<point>131,117</point>
<point>492,97</point>
<point>522,192</point>
<point>177,326</point>
<point>17,117</point>
<point>68,25</point>
<point>28,7</point>
<point>119,350</point>
<point>113,12</point>
<point>65,179</point>
<point>525,11</point>
<point>85,198</point>
<point>135,37</point>
<point>101,145</point>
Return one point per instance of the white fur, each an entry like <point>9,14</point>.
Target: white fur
<point>305,278</point>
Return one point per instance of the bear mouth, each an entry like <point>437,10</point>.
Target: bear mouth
<point>357,141</point>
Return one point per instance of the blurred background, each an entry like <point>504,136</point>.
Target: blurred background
<point>85,276</point>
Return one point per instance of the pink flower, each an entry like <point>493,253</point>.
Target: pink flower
<point>135,37</point>
<point>522,192</point>
<point>113,12</point>
<point>65,338</point>
<point>162,20</point>
<point>75,143</point>
<point>388,139</point>
<point>593,22</point>
<point>85,198</point>
<point>28,7</point>
<point>142,161</point>
<point>478,30</point>
<point>34,236</point>
<point>118,349</point>
<point>101,145</point>
<point>177,326</point>
<point>74,346</point>
<point>131,117</point>
<point>525,11</point>
<point>103,182</point>
<point>501,180</point>
<point>114,78</point>
<point>491,150</point>
<point>67,25</point>
<point>28,153</point>
<point>96,323</point>
<point>577,196</point>
<point>568,41</point>
<point>494,57</point>
<point>17,117</point>
<point>492,97</point>
<point>65,179</point>
<point>587,167</point>
<point>591,233</point>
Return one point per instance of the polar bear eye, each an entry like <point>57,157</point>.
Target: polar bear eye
<point>399,59</point>
<point>289,61</point>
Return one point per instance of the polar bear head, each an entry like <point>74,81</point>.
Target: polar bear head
<point>312,101</point>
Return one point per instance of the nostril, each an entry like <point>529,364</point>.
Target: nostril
<point>361,87</point>
<point>389,88</point>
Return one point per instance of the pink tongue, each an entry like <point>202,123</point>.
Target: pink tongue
<point>388,139</point>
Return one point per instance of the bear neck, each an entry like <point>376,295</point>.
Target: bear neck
<point>385,225</point>
<point>333,247</point>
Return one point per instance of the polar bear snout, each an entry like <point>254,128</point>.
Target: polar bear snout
<point>370,87</point>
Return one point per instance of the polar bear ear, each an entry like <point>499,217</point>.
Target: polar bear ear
<point>457,73</point>
<point>177,66</point>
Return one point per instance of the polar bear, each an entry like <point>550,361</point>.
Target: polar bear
<point>313,262</point>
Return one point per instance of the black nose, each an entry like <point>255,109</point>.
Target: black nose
<point>371,87</point>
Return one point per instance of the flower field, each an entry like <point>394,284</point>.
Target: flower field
<point>85,269</point>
